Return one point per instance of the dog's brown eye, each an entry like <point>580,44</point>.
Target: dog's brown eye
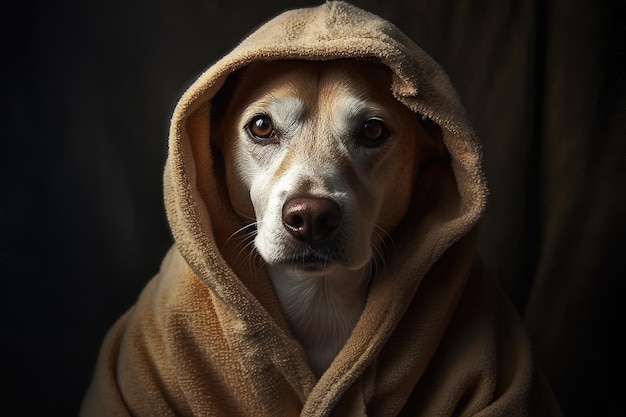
<point>373,132</point>
<point>261,127</point>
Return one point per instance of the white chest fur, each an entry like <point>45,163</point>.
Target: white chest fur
<point>321,308</point>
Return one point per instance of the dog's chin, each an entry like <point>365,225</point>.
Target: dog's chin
<point>311,269</point>
<point>312,259</point>
<point>312,263</point>
<point>308,267</point>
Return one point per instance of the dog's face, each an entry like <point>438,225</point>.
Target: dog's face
<point>322,156</point>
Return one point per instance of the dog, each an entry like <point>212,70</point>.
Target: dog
<point>323,159</point>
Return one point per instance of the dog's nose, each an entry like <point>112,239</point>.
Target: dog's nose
<point>311,219</point>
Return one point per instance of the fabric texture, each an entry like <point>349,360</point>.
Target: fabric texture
<point>436,338</point>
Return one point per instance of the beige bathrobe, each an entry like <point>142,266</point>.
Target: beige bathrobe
<point>207,336</point>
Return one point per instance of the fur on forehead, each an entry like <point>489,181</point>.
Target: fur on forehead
<point>356,70</point>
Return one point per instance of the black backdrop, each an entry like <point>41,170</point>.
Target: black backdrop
<point>88,89</point>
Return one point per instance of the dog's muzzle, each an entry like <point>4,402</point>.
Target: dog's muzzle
<point>311,220</point>
<point>313,224</point>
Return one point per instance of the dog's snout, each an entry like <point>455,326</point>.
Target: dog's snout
<point>311,219</point>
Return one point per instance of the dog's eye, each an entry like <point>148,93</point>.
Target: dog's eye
<point>373,132</point>
<point>261,127</point>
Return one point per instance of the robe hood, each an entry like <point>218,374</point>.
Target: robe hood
<point>207,336</point>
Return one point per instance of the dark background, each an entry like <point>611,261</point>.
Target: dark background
<point>88,89</point>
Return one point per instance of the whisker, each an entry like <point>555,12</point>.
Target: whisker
<point>253,254</point>
<point>379,256</point>
<point>241,229</point>
<point>372,269</point>
<point>385,237</point>
<point>245,236</point>
<point>243,216</point>
<point>247,252</point>
<point>255,258</point>
<point>248,243</point>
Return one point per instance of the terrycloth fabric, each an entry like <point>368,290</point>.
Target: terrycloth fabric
<point>207,336</point>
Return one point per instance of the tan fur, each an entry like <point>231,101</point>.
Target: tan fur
<point>317,107</point>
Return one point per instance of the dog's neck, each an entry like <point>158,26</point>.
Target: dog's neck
<point>321,309</point>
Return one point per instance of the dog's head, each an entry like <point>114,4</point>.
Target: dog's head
<point>322,156</point>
